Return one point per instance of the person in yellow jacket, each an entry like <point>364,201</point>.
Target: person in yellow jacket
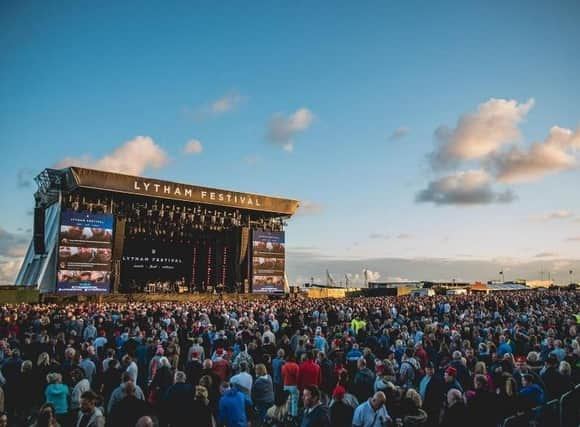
<point>357,324</point>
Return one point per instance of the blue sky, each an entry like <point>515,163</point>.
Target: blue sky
<point>357,90</point>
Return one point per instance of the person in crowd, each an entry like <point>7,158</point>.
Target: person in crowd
<point>57,395</point>
<point>451,380</point>
<point>200,407</point>
<point>89,415</point>
<point>413,415</point>
<point>309,372</point>
<point>372,413</point>
<point>455,414</point>
<point>277,365</point>
<point>243,380</point>
<point>363,382</point>
<point>341,413</point>
<point>193,368</point>
<point>290,372</point>
<point>555,383</point>
<point>161,382</point>
<point>129,409</point>
<point>233,406</point>
<point>278,415</point>
<point>531,394</point>
<point>121,391</point>
<point>80,386</point>
<point>507,397</point>
<point>479,405</point>
<point>262,391</point>
<point>315,412</point>
<point>178,405</point>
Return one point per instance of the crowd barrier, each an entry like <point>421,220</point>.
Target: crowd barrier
<point>563,412</point>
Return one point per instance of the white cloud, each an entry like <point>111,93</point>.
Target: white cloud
<point>13,245</point>
<point>8,270</point>
<point>378,236</point>
<point>399,133</point>
<point>372,276</point>
<point>308,207</point>
<point>193,146</point>
<point>404,236</point>
<point>282,130</point>
<point>226,103</point>
<point>252,160</point>
<point>471,187</point>
<point>218,107</point>
<point>554,154</point>
<point>132,158</point>
<point>561,214</point>
<point>480,133</point>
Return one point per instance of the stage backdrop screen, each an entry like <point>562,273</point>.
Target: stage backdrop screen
<point>268,257</point>
<point>84,252</point>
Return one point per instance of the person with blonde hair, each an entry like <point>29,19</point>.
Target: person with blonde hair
<point>57,395</point>
<point>414,415</point>
<point>262,391</point>
<point>200,407</point>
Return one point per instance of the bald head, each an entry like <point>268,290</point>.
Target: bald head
<point>145,422</point>
<point>454,396</point>
<point>378,400</point>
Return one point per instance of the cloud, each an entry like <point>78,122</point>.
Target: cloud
<point>404,236</point>
<point>554,154</point>
<point>193,146</point>
<point>399,133</point>
<point>545,255</point>
<point>573,239</point>
<point>13,245</point>
<point>9,270</point>
<point>132,158</point>
<point>480,133</point>
<point>308,207</point>
<point>252,160</point>
<point>226,103</point>
<point>463,188</point>
<point>282,130</point>
<point>561,214</point>
<point>24,178</point>
<point>378,236</point>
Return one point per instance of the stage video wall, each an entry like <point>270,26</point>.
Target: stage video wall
<point>84,252</point>
<point>268,259</point>
<point>152,261</point>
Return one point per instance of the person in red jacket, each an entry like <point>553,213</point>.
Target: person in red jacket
<point>220,365</point>
<point>290,372</point>
<point>310,373</point>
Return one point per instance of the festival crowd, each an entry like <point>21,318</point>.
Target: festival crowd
<point>361,362</point>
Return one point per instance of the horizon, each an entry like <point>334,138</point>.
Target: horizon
<point>437,141</point>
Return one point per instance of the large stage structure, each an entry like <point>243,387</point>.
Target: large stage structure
<point>98,232</point>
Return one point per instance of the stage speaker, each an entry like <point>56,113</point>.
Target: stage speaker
<point>119,241</point>
<point>38,234</point>
<point>244,242</point>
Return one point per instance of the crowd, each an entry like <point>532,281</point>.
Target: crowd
<point>362,362</point>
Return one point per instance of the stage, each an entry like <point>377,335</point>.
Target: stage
<point>115,236</point>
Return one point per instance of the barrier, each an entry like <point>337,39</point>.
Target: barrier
<point>563,412</point>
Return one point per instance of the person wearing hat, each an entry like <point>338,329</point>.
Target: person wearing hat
<point>193,368</point>
<point>450,378</point>
<point>340,412</point>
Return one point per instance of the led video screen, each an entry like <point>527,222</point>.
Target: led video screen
<point>85,252</point>
<point>268,260</point>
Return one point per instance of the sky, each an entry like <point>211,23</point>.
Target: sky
<point>425,140</point>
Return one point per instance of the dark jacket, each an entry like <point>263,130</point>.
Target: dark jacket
<point>178,405</point>
<point>556,384</point>
<point>363,383</point>
<point>318,417</point>
<point>341,414</point>
<point>456,416</point>
<point>483,408</point>
<point>127,412</point>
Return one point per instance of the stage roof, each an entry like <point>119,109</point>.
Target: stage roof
<point>76,177</point>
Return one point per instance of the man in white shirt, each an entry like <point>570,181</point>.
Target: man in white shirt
<point>243,381</point>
